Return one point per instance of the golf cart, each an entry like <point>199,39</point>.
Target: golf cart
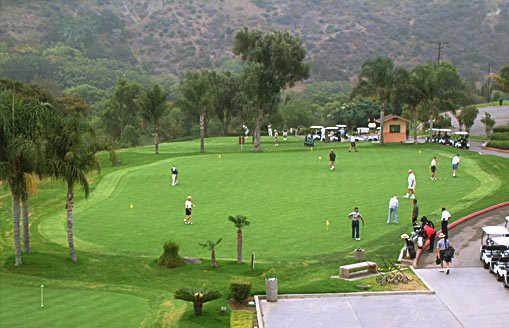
<point>460,140</point>
<point>332,134</point>
<point>440,136</point>
<point>317,132</point>
<point>499,264</point>
<point>492,247</point>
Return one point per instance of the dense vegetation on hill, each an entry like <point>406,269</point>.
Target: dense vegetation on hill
<point>170,36</point>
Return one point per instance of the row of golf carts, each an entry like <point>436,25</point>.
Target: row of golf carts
<point>495,251</point>
<point>336,133</point>
<point>446,137</point>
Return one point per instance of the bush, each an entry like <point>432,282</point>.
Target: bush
<point>504,128</point>
<point>240,290</point>
<point>197,296</point>
<point>502,144</point>
<point>500,136</point>
<point>170,257</point>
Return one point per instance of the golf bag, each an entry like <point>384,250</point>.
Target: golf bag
<point>410,248</point>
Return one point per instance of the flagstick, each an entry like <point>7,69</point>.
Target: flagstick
<point>42,296</point>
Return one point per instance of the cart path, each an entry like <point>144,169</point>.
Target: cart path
<point>466,239</point>
<point>477,146</point>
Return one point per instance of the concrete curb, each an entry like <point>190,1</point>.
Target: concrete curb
<point>460,221</point>
<point>422,279</point>
<point>496,149</point>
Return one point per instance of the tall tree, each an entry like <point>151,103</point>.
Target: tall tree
<point>488,122</point>
<point>153,105</point>
<point>275,61</point>
<point>468,115</point>
<point>239,221</point>
<point>22,110</point>
<point>71,154</point>
<point>226,90</point>
<point>197,98</point>
<point>378,78</point>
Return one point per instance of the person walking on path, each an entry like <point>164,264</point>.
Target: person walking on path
<point>332,160</point>
<point>355,216</point>
<point>353,145</point>
<point>455,164</point>
<point>411,185</point>
<point>445,222</point>
<point>174,176</point>
<point>393,210</point>
<point>415,211</point>
<point>444,253</point>
<point>189,205</point>
<point>433,168</point>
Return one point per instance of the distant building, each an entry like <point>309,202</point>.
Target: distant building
<point>394,128</point>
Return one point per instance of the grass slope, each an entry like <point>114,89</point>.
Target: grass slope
<point>286,191</point>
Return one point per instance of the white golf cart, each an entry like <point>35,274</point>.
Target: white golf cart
<point>332,133</point>
<point>316,132</point>
<point>492,247</point>
<point>460,140</point>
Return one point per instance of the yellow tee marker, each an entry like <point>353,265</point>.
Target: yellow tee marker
<point>320,158</point>
<point>327,224</point>
<point>131,206</point>
<point>219,156</point>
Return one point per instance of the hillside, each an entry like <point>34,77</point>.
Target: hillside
<point>171,36</point>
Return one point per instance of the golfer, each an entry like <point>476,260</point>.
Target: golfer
<point>445,222</point>
<point>332,160</point>
<point>393,210</point>
<point>411,185</point>
<point>189,205</point>
<point>433,168</point>
<point>285,135</point>
<point>455,164</point>
<point>276,137</point>
<point>353,145</point>
<point>174,176</point>
<point>415,211</point>
<point>444,253</point>
<point>355,216</point>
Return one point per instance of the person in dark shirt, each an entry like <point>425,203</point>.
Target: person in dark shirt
<point>415,211</point>
<point>332,160</point>
<point>174,176</point>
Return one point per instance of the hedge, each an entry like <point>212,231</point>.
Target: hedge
<point>503,144</point>
<point>500,136</point>
<point>504,128</point>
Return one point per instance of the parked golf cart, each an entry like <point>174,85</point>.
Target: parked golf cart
<point>317,131</point>
<point>332,134</point>
<point>460,140</point>
<point>491,244</point>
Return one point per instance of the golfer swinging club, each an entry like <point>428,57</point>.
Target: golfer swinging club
<point>174,176</point>
<point>355,216</point>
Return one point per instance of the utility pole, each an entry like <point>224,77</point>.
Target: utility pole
<point>489,82</point>
<point>441,45</point>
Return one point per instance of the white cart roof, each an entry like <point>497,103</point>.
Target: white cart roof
<point>331,128</point>
<point>316,127</point>
<point>461,133</point>
<point>495,230</point>
<point>501,241</point>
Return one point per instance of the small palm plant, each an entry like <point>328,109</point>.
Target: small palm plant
<point>240,221</point>
<point>197,296</point>
<point>211,246</point>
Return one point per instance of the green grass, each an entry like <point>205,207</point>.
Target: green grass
<point>287,192</point>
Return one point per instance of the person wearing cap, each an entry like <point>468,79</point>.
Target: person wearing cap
<point>189,209</point>
<point>393,210</point>
<point>332,160</point>
<point>444,256</point>
<point>174,176</point>
<point>455,164</point>
<point>411,185</point>
<point>410,248</point>
<point>445,222</point>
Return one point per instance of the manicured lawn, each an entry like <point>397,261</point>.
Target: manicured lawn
<point>287,192</point>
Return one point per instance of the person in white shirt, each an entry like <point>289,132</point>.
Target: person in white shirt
<point>174,176</point>
<point>393,210</point>
<point>445,222</point>
<point>355,216</point>
<point>189,205</point>
<point>285,135</point>
<point>433,167</point>
<point>411,185</point>
<point>353,145</point>
<point>455,164</point>
<point>276,137</point>
<point>269,130</point>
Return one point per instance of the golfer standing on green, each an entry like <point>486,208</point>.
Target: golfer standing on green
<point>355,216</point>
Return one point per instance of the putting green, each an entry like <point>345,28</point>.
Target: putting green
<point>288,196</point>
<point>69,308</point>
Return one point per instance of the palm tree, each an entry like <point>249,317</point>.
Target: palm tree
<point>153,105</point>
<point>197,296</point>
<point>20,135</point>
<point>71,155</point>
<point>211,246</point>
<point>378,78</point>
<point>240,221</point>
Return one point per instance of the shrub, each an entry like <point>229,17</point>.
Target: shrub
<point>503,144</point>
<point>504,128</point>
<point>240,290</point>
<point>170,257</point>
<point>500,136</point>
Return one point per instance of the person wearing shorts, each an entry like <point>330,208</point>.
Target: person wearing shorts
<point>411,185</point>
<point>445,222</point>
<point>189,210</point>
<point>332,160</point>
<point>433,167</point>
<point>455,164</point>
<point>174,176</point>
<point>285,135</point>
<point>443,256</point>
<point>353,145</point>
<point>355,216</point>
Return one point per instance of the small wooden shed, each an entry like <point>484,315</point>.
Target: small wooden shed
<point>394,128</point>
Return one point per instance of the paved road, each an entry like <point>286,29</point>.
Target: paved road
<point>376,311</point>
<point>499,113</point>
<point>477,147</point>
<point>475,297</point>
